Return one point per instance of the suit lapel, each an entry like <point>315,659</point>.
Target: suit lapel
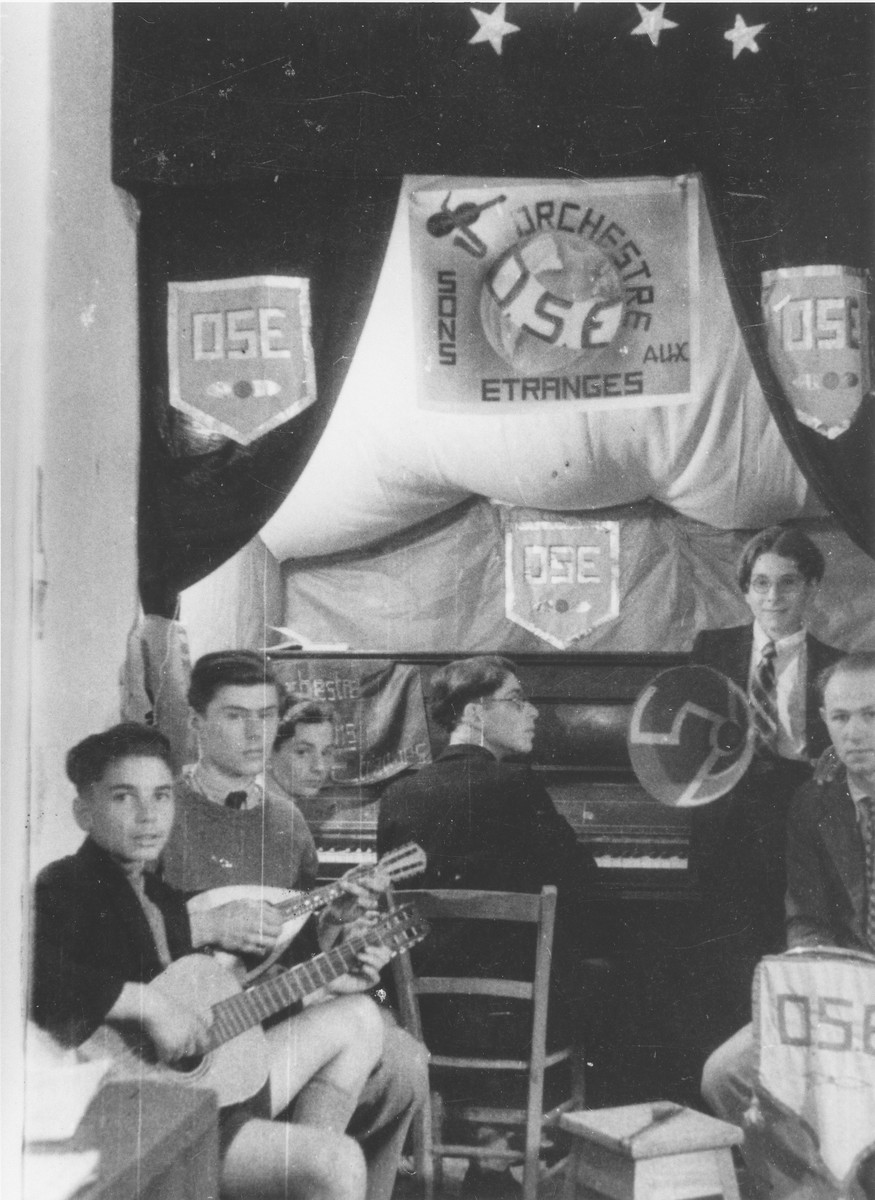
<point>738,658</point>
<point>128,911</point>
<point>844,845</point>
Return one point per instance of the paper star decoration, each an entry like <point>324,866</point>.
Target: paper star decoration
<point>653,22</point>
<point>743,37</point>
<point>493,27</point>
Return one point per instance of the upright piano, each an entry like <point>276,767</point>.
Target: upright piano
<point>584,703</point>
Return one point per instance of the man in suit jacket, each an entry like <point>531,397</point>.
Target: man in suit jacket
<point>737,849</point>
<point>829,897</point>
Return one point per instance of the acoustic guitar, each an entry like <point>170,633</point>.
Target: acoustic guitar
<point>295,907</point>
<point>235,1064</point>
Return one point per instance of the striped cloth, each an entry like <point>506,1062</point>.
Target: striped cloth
<point>763,698</point>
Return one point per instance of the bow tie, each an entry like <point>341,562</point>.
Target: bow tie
<point>235,800</point>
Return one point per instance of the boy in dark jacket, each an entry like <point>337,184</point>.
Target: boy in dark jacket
<point>105,928</point>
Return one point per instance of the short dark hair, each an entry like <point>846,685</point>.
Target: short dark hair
<point>854,663</point>
<point>228,668</point>
<point>464,680</point>
<point>788,543</point>
<point>88,760</point>
<point>302,712</point>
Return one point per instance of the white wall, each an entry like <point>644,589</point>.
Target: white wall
<point>90,434</point>
<point>70,442</point>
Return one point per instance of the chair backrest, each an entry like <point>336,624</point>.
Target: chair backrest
<point>517,907</point>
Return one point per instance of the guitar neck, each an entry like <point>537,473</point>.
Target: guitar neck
<point>407,860</point>
<point>237,1013</point>
<point>321,897</point>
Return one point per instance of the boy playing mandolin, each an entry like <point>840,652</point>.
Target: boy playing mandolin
<point>105,928</point>
<point>232,830</point>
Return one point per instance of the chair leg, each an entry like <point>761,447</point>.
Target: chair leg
<point>534,1125</point>
<point>436,1180</point>
<point>578,1078</point>
<point>531,1169</point>
<point>423,1143</point>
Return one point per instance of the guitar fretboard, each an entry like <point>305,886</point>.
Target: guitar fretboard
<point>235,1014</point>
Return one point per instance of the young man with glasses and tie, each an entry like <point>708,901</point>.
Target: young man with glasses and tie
<point>830,901</point>
<point>738,842</point>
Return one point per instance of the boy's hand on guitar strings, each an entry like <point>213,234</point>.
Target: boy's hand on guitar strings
<point>241,926</point>
<point>361,898</point>
<point>176,1031</point>
<point>371,959</point>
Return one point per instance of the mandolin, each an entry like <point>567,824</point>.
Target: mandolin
<point>295,907</point>
<point>235,1065</point>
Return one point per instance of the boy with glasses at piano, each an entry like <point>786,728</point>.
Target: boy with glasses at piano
<point>232,830</point>
<point>105,928</point>
<point>737,847</point>
<point>487,823</point>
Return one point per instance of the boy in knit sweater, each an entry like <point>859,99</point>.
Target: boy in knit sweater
<point>232,830</point>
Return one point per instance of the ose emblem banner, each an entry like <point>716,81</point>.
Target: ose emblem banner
<point>562,579</point>
<point>240,357</point>
<point>581,293</point>
<point>814,1025</point>
<point>817,322</point>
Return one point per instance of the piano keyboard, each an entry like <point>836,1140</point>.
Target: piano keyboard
<point>634,854</point>
<point>640,847</point>
<point>641,862</point>
<point>335,860</point>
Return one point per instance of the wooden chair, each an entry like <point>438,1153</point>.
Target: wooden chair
<point>430,1148</point>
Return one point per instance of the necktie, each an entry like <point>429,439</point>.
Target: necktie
<point>867,803</point>
<point>155,918</point>
<point>235,800</point>
<point>763,700</point>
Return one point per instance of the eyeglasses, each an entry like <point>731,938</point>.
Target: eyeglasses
<point>519,701</point>
<point>787,586</point>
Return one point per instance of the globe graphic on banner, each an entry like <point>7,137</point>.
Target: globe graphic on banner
<point>690,737</point>
<point>550,302</point>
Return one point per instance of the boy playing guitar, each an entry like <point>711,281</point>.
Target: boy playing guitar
<point>105,929</point>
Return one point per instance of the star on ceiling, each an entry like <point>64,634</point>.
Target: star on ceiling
<point>493,27</point>
<point>653,22</point>
<point>743,36</point>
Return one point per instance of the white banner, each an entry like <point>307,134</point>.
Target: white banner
<point>580,293</point>
<point>239,354</point>
<point>814,1022</point>
<point>817,322</point>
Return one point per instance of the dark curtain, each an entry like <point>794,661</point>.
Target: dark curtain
<point>272,138</point>
<point>197,509</point>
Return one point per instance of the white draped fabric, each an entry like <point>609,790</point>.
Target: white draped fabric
<point>384,464</point>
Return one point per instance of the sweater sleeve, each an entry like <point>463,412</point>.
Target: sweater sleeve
<point>70,996</point>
